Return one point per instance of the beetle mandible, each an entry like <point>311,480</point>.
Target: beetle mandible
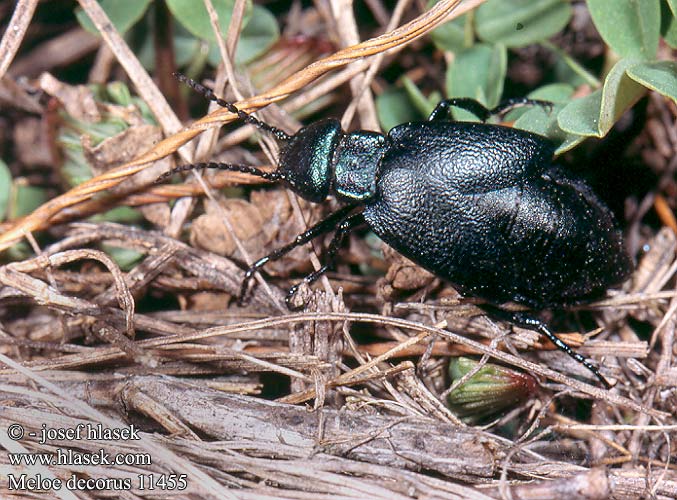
<point>482,206</point>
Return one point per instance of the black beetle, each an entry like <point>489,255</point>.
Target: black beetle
<point>480,205</point>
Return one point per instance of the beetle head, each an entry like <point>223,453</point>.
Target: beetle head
<point>306,160</point>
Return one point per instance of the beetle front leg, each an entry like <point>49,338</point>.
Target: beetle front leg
<point>322,227</point>
<point>441,111</point>
<point>342,230</point>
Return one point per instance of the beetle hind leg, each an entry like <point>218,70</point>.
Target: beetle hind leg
<point>526,321</point>
<point>441,111</point>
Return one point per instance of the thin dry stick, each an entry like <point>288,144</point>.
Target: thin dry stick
<point>180,212</point>
<point>111,353</point>
<point>142,80</point>
<point>614,427</point>
<point>375,64</point>
<point>15,32</point>
<point>346,27</point>
<point>161,454</point>
<point>125,299</point>
<point>183,207</point>
<point>349,376</point>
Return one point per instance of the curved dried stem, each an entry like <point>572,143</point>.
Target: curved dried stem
<point>398,38</point>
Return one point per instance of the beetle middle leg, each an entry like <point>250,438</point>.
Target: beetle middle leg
<point>324,226</point>
<point>441,111</point>
<point>526,321</point>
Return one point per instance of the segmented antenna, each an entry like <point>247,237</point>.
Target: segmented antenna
<point>245,169</point>
<point>245,117</point>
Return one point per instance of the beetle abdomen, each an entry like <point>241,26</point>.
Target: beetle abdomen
<point>541,238</point>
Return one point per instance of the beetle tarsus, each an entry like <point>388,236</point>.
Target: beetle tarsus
<point>524,320</point>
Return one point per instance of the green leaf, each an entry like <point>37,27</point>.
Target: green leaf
<point>122,13</point>
<point>516,23</point>
<point>630,27</point>
<point>257,36</point>
<point>570,142</point>
<point>423,104</point>
<point>477,72</point>
<point>454,35</point>
<point>19,251</point>
<point>193,16</point>
<point>619,94</point>
<point>119,93</point>
<point>595,114</point>
<point>660,76</point>
<point>26,199</point>
<point>5,188</point>
<point>568,70</point>
<point>669,24</point>
<point>673,7</point>
<point>538,120</point>
<point>187,48</point>
<point>74,168</point>
<point>125,258</point>
<point>394,107</point>
<point>121,215</point>
<point>581,116</point>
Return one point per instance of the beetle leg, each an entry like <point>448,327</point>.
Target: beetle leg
<point>342,229</point>
<point>441,111</point>
<point>526,321</point>
<point>518,102</point>
<point>322,227</point>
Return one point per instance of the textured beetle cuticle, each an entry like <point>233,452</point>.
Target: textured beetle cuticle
<point>481,206</point>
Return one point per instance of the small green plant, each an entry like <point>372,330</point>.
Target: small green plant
<point>192,29</point>
<point>478,44</point>
<point>492,389</point>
